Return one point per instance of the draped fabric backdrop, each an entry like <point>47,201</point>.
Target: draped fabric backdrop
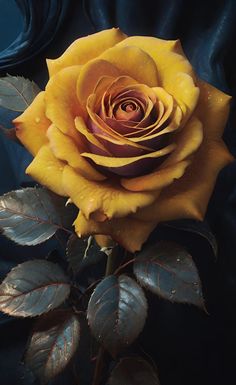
<point>188,346</point>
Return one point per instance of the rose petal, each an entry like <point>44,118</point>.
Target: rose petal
<point>128,232</point>
<point>93,142</point>
<point>189,196</point>
<point>47,170</point>
<point>65,149</point>
<point>134,62</point>
<point>62,105</point>
<point>188,140</point>
<point>86,48</point>
<point>99,127</point>
<point>32,125</point>
<point>90,74</point>
<point>217,104</point>
<point>156,134</point>
<point>175,72</point>
<point>106,198</point>
<point>156,180</point>
<point>120,162</point>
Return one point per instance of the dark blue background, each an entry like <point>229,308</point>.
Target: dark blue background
<point>189,347</point>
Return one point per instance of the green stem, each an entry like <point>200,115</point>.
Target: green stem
<point>110,267</point>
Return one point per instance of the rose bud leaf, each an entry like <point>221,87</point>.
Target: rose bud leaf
<point>133,370</point>
<point>199,228</point>
<point>32,288</point>
<point>82,252</point>
<point>168,270</point>
<point>33,215</point>
<point>17,93</point>
<point>53,343</point>
<point>117,312</point>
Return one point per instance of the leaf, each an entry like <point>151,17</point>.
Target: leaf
<point>82,253</point>
<point>53,343</point>
<point>133,371</point>
<point>31,216</point>
<point>116,312</point>
<point>167,269</point>
<point>17,93</point>
<point>195,227</point>
<point>33,288</point>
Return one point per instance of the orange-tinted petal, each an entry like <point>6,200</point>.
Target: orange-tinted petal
<point>86,48</point>
<point>62,105</point>
<point>99,127</point>
<point>64,148</point>
<point>134,62</point>
<point>189,196</point>
<point>128,232</point>
<point>32,125</point>
<point>92,140</point>
<point>107,198</point>
<point>47,170</point>
<point>90,75</point>
<point>113,162</point>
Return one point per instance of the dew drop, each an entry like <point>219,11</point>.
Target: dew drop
<point>178,259</point>
<point>173,291</point>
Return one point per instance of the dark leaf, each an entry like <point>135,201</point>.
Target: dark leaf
<point>33,288</point>
<point>168,270</point>
<point>116,312</point>
<point>133,371</point>
<point>82,252</point>
<point>17,93</point>
<point>196,227</point>
<point>31,216</point>
<point>52,345</point>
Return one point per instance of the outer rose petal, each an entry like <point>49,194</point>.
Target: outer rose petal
<point>217,104</point>
<point>86,48</point>
<point>47,170</point>
<point>64,148</point>
<point>156,180</point>
<point>189,196</point>
<point>134,62</point>
<point>106,199</point>
<point>128,232</point>
<point>188,141</point>
<point>32,125</point>
<point>62,105</point>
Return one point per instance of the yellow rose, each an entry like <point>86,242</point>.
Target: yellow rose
<point>127,131</point>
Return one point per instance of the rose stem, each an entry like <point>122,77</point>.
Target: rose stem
<point>110,267</point>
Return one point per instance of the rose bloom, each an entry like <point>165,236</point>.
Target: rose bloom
<point>127,131</point>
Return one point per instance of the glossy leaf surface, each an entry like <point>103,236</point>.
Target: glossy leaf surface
<point>133,371</point>
<point>31,216</point>
<point>33,288</point>
<point>116,312</point>
<point>53,343</point>
<point>168,270</point>
<point>17,93</point>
